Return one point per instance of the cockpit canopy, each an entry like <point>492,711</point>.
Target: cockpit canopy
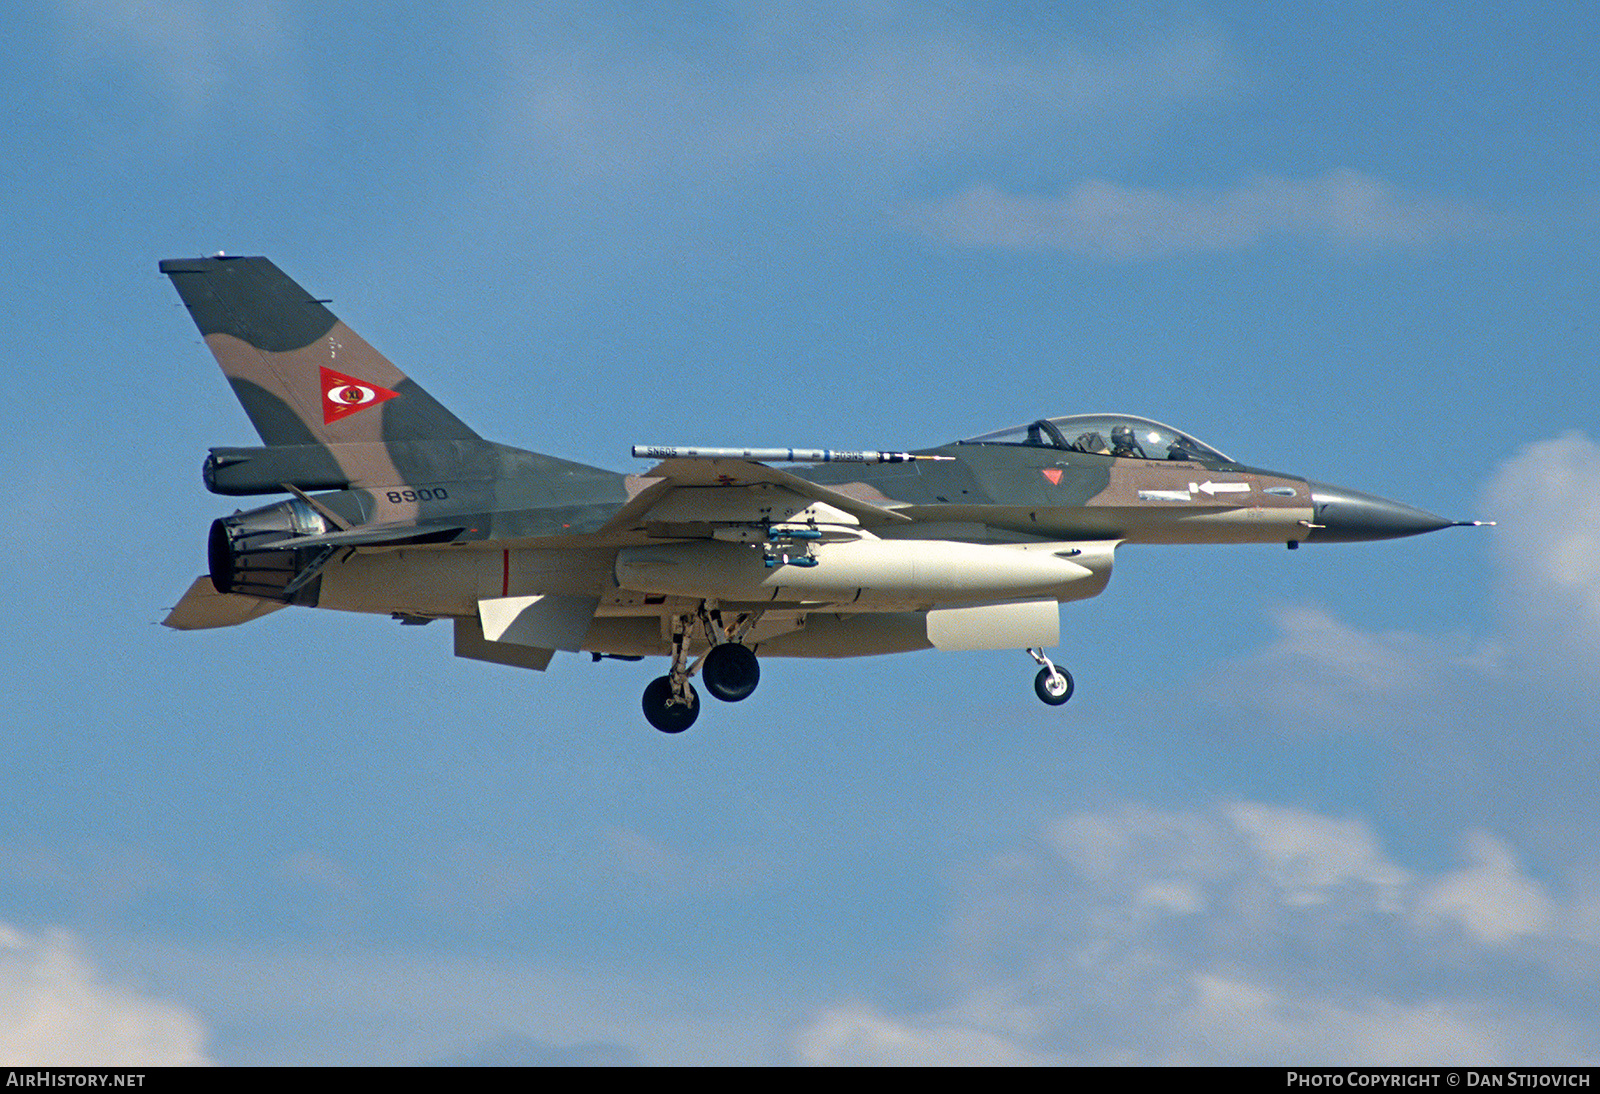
<point>1106,435</point>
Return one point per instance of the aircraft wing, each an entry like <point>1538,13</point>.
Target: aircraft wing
<point>698,472</point>
<point>525,631</point>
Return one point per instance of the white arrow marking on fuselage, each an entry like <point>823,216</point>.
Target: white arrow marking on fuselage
<point>1215,488</point>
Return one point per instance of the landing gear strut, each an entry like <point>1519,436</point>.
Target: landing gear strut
<point>668,711</point>
<point>731,671</point>
<point>670,702</point>
<point>1053,685</point>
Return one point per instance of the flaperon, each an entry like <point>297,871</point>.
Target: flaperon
<point>709,557</point>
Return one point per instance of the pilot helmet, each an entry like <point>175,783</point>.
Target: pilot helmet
<point>1122,439</point>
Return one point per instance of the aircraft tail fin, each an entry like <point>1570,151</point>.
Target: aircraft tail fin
<point>302,376</point>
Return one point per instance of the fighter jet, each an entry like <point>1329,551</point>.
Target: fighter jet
<point>713,558</point>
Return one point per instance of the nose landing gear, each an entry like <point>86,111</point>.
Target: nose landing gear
<point>1053,685</point>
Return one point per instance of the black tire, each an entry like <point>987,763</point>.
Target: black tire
<point>1057,694</point>
<point>661,712</point>
<point>731,672</point>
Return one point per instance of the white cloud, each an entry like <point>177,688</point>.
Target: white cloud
<point>1256,1024</point>
<point>190,49</point>
<point>857,1035</point>
<point>1105,220</point>
<point>1491,897</point>
<point>354,1005</point>
<point>60,1012</point>
<point>1098,845</point>
<point>1547,502</point>
<point>519,1050</point>
<point>1224,1022</point>
<point>1275,935</point>
<point>1322,674</point>
<point>1492,730</point>
<point>1532,680</point>
<point>1306,855</point>
<point>875,84</point>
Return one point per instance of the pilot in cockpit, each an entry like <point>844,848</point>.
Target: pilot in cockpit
<point>1125,444</point>
<point>1182,448</point>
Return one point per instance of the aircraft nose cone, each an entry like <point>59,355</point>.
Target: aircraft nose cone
<point>1348,515</point>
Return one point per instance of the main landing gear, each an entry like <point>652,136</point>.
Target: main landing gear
<point>731,672</point>
<point>729,668</point>
<point>670,707</point>
<point>1053,685</point>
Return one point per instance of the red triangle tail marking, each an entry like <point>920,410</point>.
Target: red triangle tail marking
<point>344,395</point>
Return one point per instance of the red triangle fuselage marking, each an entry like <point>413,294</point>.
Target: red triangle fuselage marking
<point>344,395</point>
<point>1053,474</point>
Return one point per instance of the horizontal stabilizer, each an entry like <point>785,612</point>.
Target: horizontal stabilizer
<point>378,535</point>
<point>203,608</point>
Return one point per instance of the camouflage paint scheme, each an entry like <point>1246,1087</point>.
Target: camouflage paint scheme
<point>398,507</point>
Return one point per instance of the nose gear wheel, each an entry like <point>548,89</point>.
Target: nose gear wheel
<point>1053,685</point>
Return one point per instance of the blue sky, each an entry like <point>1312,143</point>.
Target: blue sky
<point>1330,805</point>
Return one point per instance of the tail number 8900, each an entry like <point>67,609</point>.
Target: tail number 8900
<point>437,493</point>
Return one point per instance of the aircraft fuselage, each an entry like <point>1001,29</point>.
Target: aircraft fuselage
<point>708,556</point>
